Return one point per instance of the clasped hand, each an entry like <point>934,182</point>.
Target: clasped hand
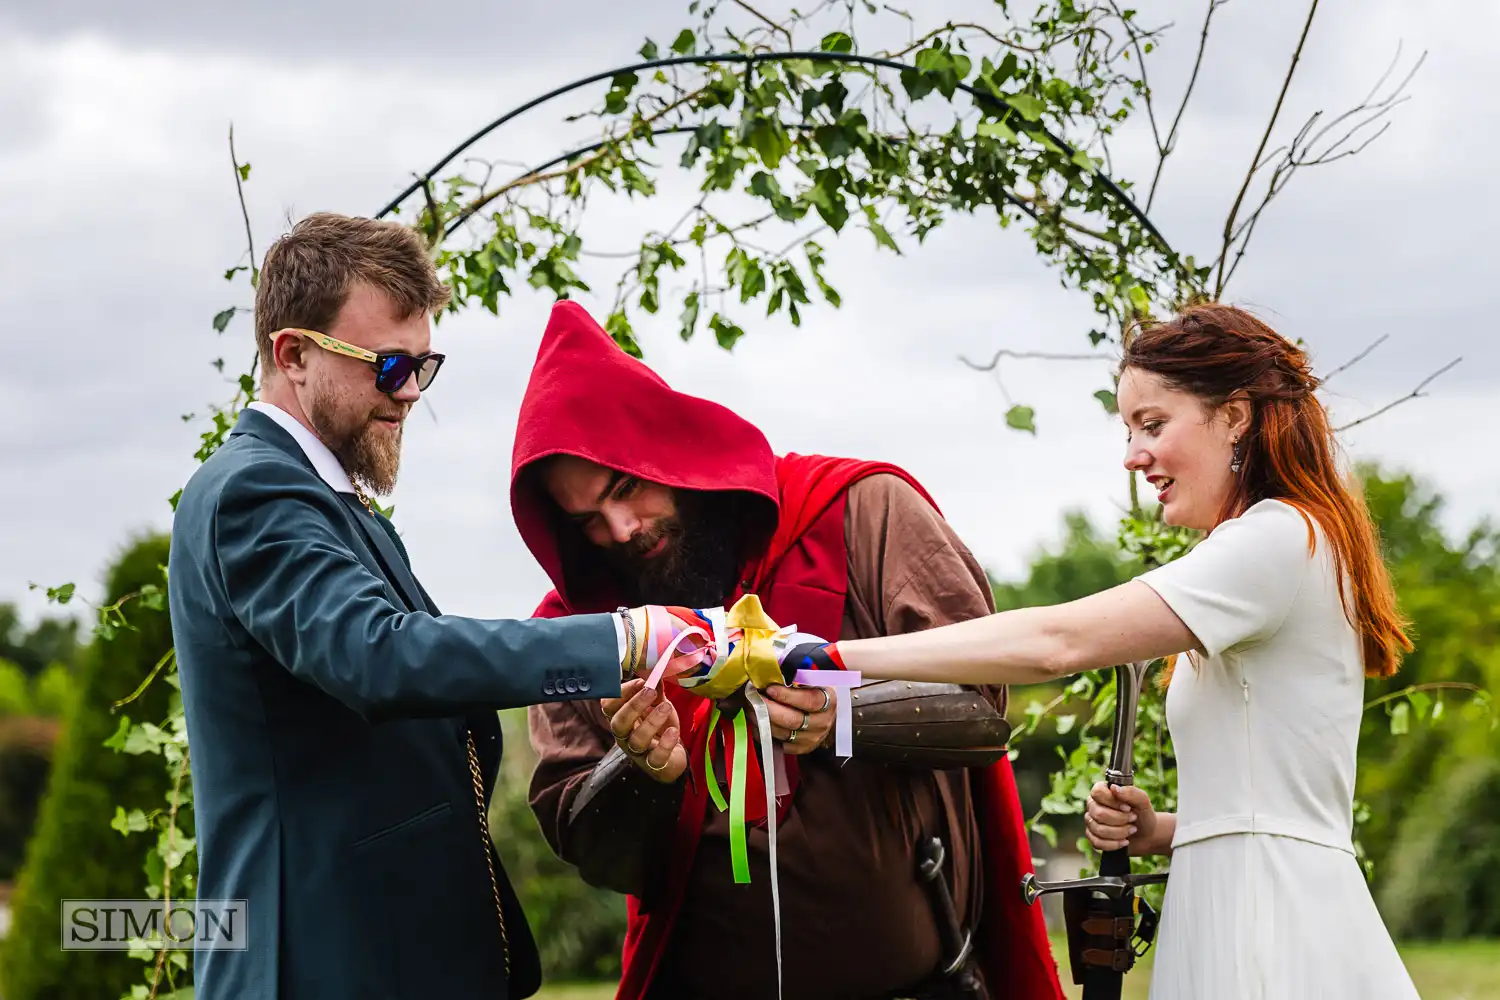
<point>646,725</point>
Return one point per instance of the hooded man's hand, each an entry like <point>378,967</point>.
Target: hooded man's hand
<point>646,727</point>
<point>801,717</point>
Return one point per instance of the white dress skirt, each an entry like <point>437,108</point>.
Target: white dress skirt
<point>1258,917</point>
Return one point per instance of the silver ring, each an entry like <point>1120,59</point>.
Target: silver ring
<point>827,700</point>
<point>791,737</point>
<point>805,720</point>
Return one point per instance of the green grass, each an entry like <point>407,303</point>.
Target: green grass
<point>1466,970</point>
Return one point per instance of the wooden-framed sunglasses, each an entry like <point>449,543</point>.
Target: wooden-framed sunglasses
<point>392,368</point>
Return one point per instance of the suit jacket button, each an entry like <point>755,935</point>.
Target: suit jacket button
<point>549,687</point>
<point>584,684</point>
<point>571,686</point>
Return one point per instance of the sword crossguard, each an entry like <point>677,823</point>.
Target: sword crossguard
<point>1113,886</point>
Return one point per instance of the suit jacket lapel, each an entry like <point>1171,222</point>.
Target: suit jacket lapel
<point>396,569</point>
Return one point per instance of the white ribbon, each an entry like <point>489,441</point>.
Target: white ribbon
<point>767,750</point>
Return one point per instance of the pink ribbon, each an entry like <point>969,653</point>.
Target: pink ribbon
<point>666,655</point>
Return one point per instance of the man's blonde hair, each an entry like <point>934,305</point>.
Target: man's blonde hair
<point>308,273</point>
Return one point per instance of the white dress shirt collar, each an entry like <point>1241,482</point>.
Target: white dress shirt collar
<point>318,453</point>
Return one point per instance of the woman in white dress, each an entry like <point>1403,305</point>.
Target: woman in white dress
<point>1282,610</point>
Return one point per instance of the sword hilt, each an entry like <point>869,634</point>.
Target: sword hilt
<point>1113,886</point>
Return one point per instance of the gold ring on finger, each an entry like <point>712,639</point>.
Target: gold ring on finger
<point>654,767</point>
<point>791,737</point>
<point>624,744</point>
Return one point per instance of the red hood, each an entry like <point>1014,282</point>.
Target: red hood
<point>588,398</point>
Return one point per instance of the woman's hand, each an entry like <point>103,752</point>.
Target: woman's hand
<point>1121,816</point>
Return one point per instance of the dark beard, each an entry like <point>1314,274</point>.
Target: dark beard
<point>702,561</point>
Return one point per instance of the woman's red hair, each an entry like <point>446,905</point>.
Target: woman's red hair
<point>1217,352</point>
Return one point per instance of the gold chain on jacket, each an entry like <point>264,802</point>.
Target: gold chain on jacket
<point>489,858</point>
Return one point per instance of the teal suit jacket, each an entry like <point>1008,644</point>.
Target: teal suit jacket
<point>328,704</point>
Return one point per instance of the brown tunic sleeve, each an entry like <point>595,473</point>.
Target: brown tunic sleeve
<point>908,569</point>
<point>612,846</point>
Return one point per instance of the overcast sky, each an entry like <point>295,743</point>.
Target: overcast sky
<point>120,218</point>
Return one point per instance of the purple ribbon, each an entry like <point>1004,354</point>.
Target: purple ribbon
<point>843,717</point>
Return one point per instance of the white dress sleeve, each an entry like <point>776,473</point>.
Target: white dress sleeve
<point>1237,585</point>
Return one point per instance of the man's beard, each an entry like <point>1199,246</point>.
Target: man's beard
<point>701,563</point>
<point>369,454</point>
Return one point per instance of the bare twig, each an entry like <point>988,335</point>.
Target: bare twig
<point>1036,355</point>
<point>952,26</point>
<point>1414,394</point>
<point>525,180</point>
<point>239,187</point>
<point>1357,358</point>
<point>778,28</point>
<point>1265,139</point>
<point>1312,147</point>
<point>1164,149</point>
<point>1431,686</point>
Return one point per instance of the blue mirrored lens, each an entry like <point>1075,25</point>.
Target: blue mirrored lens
<point>391,373</point>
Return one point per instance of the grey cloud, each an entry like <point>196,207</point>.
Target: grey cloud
<point>380,30</point>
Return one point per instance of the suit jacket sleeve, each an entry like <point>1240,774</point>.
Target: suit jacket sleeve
<point>300,591</point>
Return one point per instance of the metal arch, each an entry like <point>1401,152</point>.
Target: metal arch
<point>458,220</point>
<point>750,58</point>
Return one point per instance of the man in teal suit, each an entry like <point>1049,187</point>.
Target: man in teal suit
<point>343,731</point>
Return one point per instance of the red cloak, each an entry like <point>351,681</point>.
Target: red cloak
<point>588,398</point>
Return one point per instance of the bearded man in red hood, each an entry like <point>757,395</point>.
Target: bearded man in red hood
<point>628,493</point>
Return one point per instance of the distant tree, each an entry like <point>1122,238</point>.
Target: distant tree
<point>74,853</point>
<point>15,690</point>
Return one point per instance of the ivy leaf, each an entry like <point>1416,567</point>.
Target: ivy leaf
<point>229,274</point>
<point>836,41</point>
<point>117,741</point>
<point>1400,719</point>
<point>1437,710</point>
<point>1082,159</point>
<point>1108,401</point>
<point>725,331</point>
<point>244,171</point>
<point>1027,106</point>
<point>1421,701</point>
<point>61,595</point>
<point>1022,418</point>
<point>618,327</point>
<point>152,597</point>
<point>1139,301</point>
<point>144,738</point>
<point>689,316</point>
<point>648,51</point>
<point>997,130</point>
<point>686,43</point>
<point>222,318</point>
<point>883,236</point>
<point>1065,724</point>
<point>917,86</point>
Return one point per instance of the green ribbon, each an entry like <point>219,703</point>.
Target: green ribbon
<point>709,778</point>
<point>738,855</point>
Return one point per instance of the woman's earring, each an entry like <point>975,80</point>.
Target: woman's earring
<point>1237,457</point>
